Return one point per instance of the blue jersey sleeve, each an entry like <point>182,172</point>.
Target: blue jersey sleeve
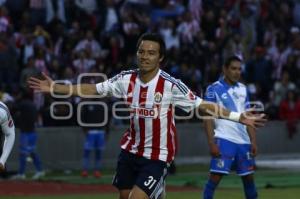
<point>210,94</point>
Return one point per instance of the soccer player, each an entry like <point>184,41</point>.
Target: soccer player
<point>95,136</point>
<point>26,116</point>
<point>148,146</point>
<point>230,143</point>
<point>8,129</point>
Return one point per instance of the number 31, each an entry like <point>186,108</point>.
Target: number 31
<point>150,182</point>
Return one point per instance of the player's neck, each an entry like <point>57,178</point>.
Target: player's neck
<point>147,76</point>
<point>229,82</point>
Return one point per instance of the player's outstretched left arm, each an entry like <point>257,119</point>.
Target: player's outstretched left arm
<point>247,118</point>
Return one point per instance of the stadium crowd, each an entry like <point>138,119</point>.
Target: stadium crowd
<point>65,38</point>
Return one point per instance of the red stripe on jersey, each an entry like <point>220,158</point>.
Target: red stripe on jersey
<point>170,137</point>
<point>125,137</point>
<point>159,91</point>
<point>131,87</point>
<point>142,100</point>
<point>129,101</point>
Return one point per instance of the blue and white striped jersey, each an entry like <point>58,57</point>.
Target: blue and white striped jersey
<point>234,98</point>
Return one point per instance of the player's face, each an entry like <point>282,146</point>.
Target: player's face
<point>148,56</point>
<point>233,71</point>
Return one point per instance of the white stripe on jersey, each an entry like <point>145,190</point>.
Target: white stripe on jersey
<point>135,101</point>
<point>149,122</point>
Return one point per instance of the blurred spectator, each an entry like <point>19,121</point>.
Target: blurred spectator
<point>83,64</point>
<point>111,17</point>
<point>4,19</point>
<point>290,112</point>
<point>8,60</point>
<point>195,7</point>
<point>16,10</point>
<point>37,12</point>
<point>258,71</point>
<point>55,10</point>
<point>279,54</point>
<point>282,87</point>
<point>188,28</point>
<point>29,71</point>
<point>89,44</point>
<point>88,6</point>
<point>26,47</point>
<point>170,35</point>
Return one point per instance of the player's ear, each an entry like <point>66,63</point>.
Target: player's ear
<point>161,58</point>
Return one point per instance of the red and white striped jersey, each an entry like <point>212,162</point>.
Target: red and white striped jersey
<point>152,132</point>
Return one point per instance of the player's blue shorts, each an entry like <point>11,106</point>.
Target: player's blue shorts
<point>28,142</point>
<point>148,175</point>
<point>95,139</point>
<point>233,155</point>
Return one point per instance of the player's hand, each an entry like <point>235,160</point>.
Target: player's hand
<point>39,85</point>
<point>253,120</point>
<point>214,150</point>
<point>253,150</point>
<point>2,168</point>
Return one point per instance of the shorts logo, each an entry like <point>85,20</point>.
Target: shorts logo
<point>220,163</point>
<point>157,97</point>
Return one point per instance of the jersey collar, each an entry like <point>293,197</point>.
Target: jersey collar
<point>224,83</point>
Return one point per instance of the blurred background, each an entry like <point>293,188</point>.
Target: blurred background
<point>65,38</point>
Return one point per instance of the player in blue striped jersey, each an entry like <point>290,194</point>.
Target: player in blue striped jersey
<point>230,143</point>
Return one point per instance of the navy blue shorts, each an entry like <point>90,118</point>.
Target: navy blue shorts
<point>148,175</point>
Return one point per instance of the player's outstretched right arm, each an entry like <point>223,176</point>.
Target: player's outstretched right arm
<point>47,85</point>
<point>246,118</point>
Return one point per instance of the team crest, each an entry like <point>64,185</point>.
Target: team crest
<point>220,163</point>
<point>157,97</point>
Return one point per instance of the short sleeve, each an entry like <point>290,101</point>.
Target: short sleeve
<point>112,86</point>
<point>210,94</point>
<point>183,97</point>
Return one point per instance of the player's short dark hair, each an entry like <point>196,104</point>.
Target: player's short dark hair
<point>231,59</point>
<point>155,38</point>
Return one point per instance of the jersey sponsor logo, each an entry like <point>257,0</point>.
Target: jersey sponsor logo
<point>145,112</point>
<point>158,97</point>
